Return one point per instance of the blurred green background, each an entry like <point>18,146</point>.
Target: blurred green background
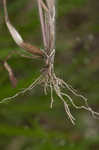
<point>27,122</point>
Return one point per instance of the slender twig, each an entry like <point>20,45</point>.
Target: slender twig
<point>9,69</point>
<point>42,23</point>
<point>31,86</point>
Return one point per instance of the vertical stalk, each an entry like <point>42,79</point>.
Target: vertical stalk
<point>51,21</point>
<point>47,19</point>
<point>42,23</point>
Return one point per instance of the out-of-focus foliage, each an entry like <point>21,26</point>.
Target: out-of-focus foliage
<point>27,122</point>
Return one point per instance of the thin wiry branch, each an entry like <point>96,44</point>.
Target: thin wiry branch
<point>52,100</point>
<point>45,25</point>
<point>42,22</point>
<point>9,69</point>
<point>30,87</point>
<point>21,55</point>
<point>11,74</point>
<point>51,23</point>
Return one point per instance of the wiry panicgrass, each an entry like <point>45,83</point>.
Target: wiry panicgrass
<point>48,77</point>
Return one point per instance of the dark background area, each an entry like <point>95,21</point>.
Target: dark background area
<point>27,122</point>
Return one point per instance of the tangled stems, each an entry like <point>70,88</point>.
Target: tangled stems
<point>48,77</point>
<point>55,84</point>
